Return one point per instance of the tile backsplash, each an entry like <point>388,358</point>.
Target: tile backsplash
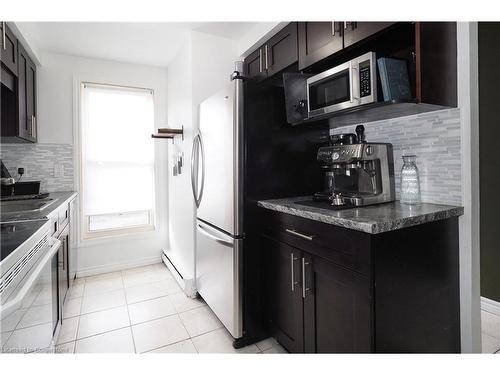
<point>435,138</point>
<point>52,164</point>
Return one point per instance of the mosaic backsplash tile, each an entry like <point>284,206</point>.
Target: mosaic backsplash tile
<point>435,138</point>
<point>52,164</point>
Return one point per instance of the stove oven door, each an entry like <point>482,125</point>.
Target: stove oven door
<point>29,315</point>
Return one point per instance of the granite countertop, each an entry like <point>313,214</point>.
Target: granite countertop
<point>59,199</point>
<point>370,219</point>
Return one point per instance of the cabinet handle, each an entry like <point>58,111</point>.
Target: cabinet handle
<point>304,288</point>
<point>32,126</point>
<point>295,233</point>
<point>65,248</point>
<point>352,24</point>
<point>333,28</point>
<point>265,53</point>
<point>35,130</point>
<point>260,60</point>
<point>3,36</point>
<point>292,263</point>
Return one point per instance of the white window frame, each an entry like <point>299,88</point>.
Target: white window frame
<point>86,234</point>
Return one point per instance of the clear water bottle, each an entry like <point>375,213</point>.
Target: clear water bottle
<point>410,182</point>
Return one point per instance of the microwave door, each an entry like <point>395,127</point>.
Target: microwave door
<point>330,91</point>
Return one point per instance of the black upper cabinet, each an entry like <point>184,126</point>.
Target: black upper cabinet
<point>281,50</point>
<point>27,96</point>
<point>254,65</point>
<point>436,52</point>
<point>284,294</point>
<point>18,99</point>
<point>318,40</point>
<point>337,309</point>
<point>357,31</point>
<point>8,49</point>
<point>275,55</point>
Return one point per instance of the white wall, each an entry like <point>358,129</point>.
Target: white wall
<point>257,35</point>
<point>181,204</point>
<point>201,68</point>
<point>58,102</point>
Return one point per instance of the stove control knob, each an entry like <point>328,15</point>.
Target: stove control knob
<point>335,156</point>
<point>369,150</point>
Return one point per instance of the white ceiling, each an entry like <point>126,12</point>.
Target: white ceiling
<point>141,43</point>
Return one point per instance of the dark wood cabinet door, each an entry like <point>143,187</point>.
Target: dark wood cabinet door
<point>337,308</point>
<point>254,65</point>
<point>27,96</point>
<point>284,294</point>
<point>8,48</point>
<point>281,50</point>
<point>356,31</point>
<point>318,40</point>
<point>436,50</point>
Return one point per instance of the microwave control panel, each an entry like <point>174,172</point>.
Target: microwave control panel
<point>365,87</point>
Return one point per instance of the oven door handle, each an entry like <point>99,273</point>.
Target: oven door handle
<point>14,303</point>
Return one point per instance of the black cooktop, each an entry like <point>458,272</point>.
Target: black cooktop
<point>13,234</point>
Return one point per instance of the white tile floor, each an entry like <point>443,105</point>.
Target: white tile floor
<point>143,310</point>
<point>490,324</point>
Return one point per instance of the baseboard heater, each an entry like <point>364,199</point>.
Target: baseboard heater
<point>490,306</point>
<point>187,285</point>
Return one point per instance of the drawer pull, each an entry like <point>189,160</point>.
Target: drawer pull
<point>304,236</point>
<point>292,266</point>
<point>305,289</point>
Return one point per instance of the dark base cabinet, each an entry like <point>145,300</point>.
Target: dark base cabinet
<point>417,299</point>
<point>337,315</point>
<point>336,290</point>
<point>285,293</point>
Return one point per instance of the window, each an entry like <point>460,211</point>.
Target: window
<point>117,159</point>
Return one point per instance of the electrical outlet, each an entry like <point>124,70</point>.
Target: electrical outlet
<point>25,174</point>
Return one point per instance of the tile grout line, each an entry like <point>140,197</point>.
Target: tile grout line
<point>128,313</point>
<point>79,316</point>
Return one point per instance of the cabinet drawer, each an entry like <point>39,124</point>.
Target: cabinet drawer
<point>345,247</point>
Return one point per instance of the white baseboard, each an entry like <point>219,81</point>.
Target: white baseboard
<point>490,305</point>
<point>91,271</point>
<point>187,285</point>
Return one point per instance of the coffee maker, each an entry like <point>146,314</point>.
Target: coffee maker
<point>357,173</point>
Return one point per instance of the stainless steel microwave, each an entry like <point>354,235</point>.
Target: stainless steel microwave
<point>348,85</point>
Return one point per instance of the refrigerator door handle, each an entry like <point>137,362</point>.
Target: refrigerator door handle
<point>200,140</point>
<point>194,167</point>
<point>206,231</point>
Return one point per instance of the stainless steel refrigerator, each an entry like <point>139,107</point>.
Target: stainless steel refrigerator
<point>245,152</point>
<point>217,185</point>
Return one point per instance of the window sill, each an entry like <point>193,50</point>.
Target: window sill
<point>117,232</point>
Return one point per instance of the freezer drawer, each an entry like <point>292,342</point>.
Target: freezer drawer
<point>218,275</point>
